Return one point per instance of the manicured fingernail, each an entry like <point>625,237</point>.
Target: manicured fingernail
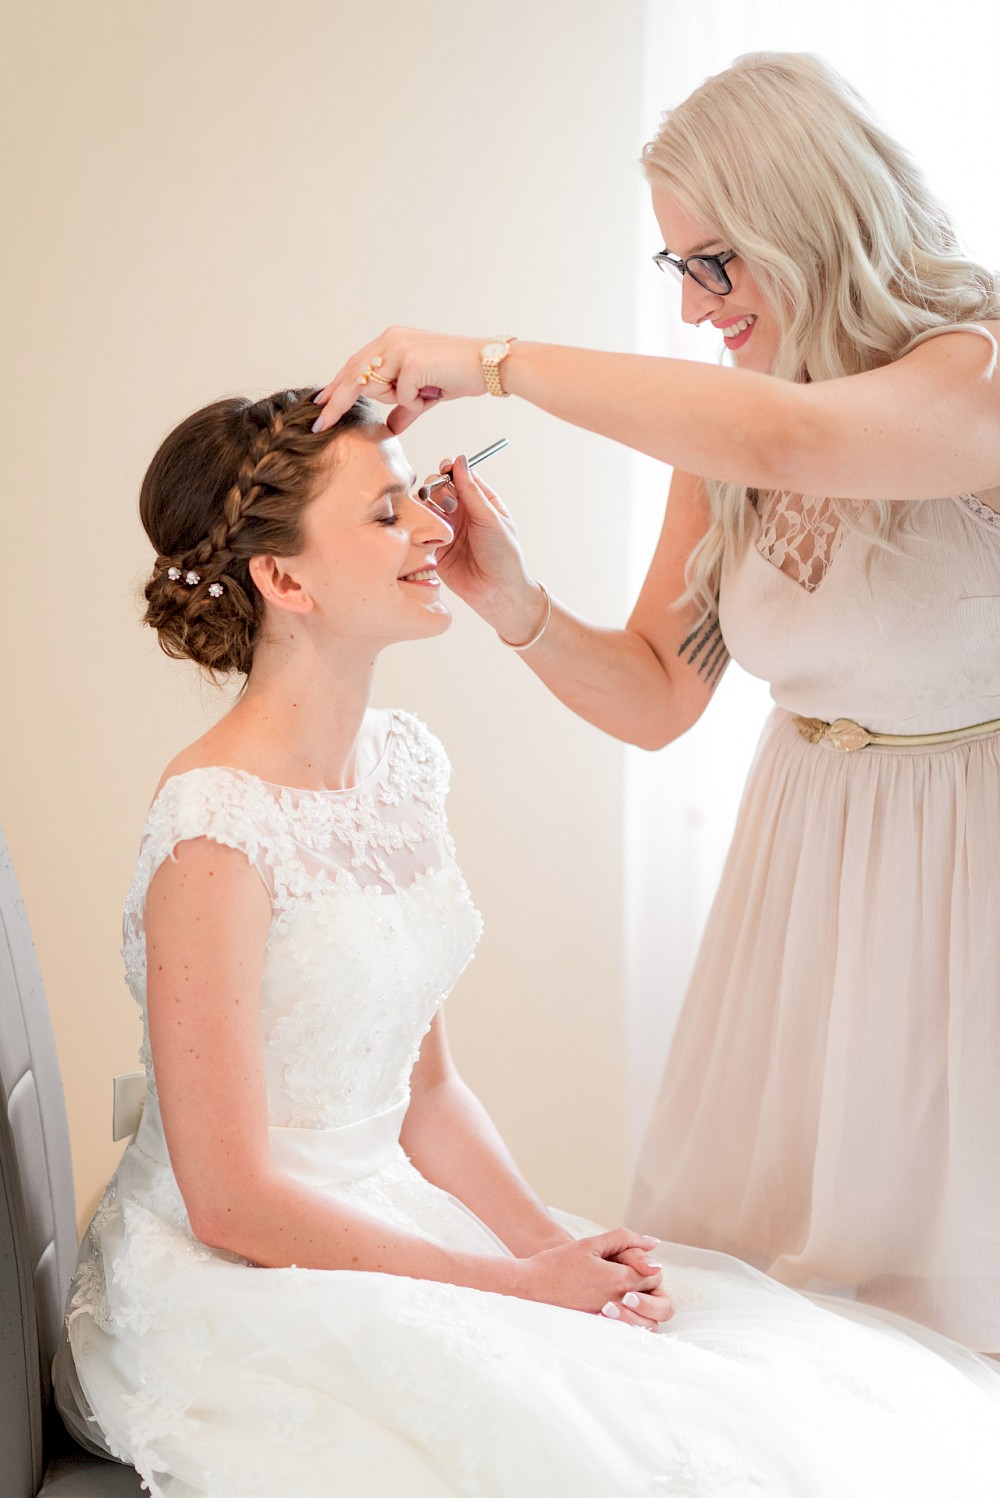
<point>447,504</point>
<point>653,1268</point>
<point>611,1311</point>
<point>317,424</point>
<point>631,1300</point>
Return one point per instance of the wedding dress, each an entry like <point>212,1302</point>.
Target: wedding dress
<point>216,1377</point>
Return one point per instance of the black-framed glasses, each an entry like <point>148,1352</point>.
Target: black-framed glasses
<point>706,270</point>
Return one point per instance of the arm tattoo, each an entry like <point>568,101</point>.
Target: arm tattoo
<point>705,649</point>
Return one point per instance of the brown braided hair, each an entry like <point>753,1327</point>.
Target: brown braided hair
<point>229,483</point>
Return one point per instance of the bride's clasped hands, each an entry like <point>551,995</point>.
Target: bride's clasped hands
<point>608,1273</point>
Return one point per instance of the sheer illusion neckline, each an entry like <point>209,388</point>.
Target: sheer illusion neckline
<point>345,793</point>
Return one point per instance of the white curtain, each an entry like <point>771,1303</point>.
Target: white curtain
<point>931,77</point>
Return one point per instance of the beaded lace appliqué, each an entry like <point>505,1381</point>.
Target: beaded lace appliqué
<point>799,535</point>
<point>370,914</point>
<point>368,979</point>
<point>697,1471</point>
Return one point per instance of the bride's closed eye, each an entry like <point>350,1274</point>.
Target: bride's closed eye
<point>391,519</point>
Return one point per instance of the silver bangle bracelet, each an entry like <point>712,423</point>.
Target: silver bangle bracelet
<point>538,635</point>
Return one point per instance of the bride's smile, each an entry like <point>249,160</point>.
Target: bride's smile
<point>367,571</point>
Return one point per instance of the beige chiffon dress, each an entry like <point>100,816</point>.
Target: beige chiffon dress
<point>830,1111</point>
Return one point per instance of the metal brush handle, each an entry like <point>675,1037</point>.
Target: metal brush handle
<point>426,490</point>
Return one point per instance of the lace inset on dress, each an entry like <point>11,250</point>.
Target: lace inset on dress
<point>798,534</point>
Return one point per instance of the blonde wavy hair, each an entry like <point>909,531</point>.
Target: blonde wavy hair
<point>856,258</point>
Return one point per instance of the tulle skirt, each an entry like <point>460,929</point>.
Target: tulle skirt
<point>831,1105</point>
<point>218,1378</point>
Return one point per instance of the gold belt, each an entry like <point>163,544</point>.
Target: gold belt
<point>845,734</point>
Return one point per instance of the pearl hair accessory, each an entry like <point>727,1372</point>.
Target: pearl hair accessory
<point>192,579</point>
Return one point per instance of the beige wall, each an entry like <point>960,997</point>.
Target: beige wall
<point>218,195</point>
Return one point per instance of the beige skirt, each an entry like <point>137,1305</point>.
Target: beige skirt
<point>830,1110</point>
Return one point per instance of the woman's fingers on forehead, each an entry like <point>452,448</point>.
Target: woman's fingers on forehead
<point>339,384</point>
<point>338,397</point>
<point>340,393</point>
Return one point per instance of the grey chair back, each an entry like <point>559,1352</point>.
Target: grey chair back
<point>38,1242</point>
<point>20,1386</point>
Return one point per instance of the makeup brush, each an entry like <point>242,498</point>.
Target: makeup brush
<point>426,490</point>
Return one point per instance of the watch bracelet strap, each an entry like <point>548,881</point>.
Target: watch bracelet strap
<point>491,370</point>
<point>491,375</point>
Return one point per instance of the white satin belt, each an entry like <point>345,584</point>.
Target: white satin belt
<point>314,1157</point>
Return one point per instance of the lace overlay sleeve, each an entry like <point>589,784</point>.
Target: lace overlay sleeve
<point>219,804</point>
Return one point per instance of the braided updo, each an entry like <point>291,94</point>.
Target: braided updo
<point>229,483</point>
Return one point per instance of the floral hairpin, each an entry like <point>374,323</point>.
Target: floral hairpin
<point>192,579</point>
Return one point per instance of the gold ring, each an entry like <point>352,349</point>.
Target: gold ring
<point>368,373</point>
<point>381,379</point>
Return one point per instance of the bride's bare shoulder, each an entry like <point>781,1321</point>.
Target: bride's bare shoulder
<point>214,748</point>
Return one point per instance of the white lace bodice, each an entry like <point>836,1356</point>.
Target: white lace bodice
<point>372,921</point>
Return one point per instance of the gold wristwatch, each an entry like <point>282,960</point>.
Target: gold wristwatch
<point>492,355</point>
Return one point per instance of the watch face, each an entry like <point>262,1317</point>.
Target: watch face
<point>495,350</point>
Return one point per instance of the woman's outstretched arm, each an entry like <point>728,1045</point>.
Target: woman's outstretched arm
<point>207,919</point>
<point>924,426</point>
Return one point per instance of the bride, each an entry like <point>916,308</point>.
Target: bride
<point>317,1270</point>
